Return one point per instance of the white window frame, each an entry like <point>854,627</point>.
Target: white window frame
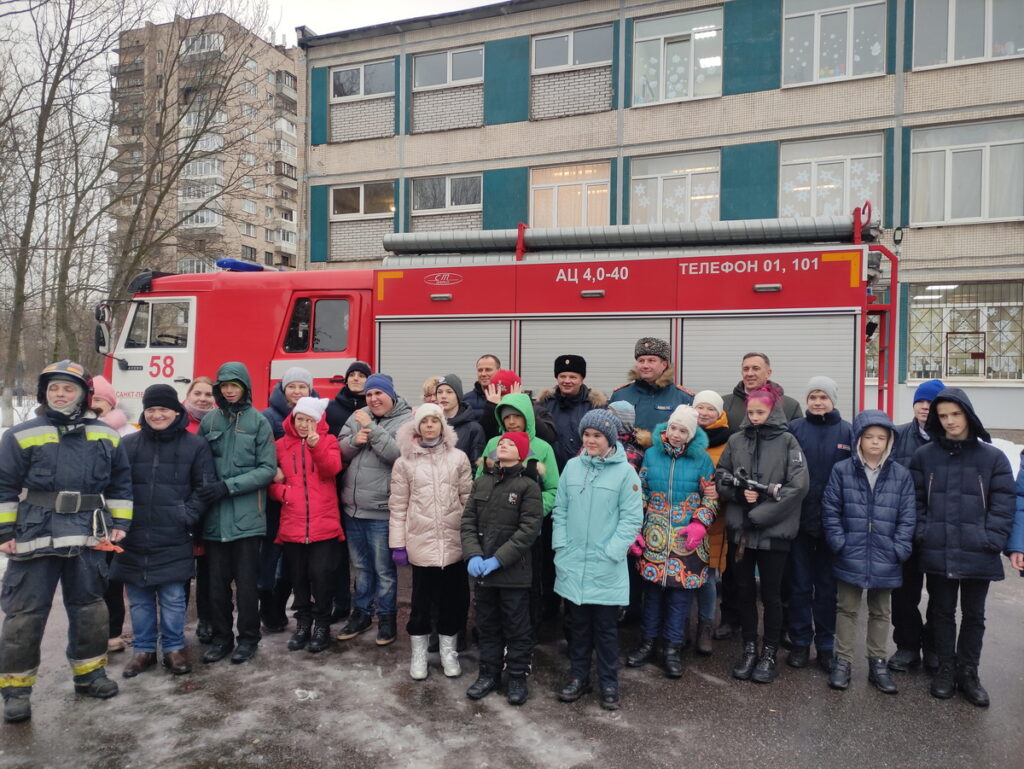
<point>248,252</point>
<point>947,203</point>
<point>568,66</point>
<point>201,218</point>
<point>361,96</point>
<point>249,206</point>
<point>362,202</point>
<point>816,37</point>
<point>674,37</point>
<point>951,41</point>
<point>210,41</point>
<point>448,207</point>
<point>586,184</point>
<point>449,82</point>
<point>248,229</point>
<point>203,168</point>
<point>849,202</point>
<point>688,175</point>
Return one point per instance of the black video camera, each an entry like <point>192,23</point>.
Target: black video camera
<point>742,480</point>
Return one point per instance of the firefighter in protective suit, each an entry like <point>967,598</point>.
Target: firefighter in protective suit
<point>65,488</point>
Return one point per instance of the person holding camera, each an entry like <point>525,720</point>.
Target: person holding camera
<point>762,480</point>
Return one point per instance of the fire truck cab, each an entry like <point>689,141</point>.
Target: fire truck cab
<point>800,290</point>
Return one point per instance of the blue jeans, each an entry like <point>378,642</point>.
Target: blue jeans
<point>665,612</point>
<point>707,598</point>
<point>812,593</point>
<point>143,602</point>
<point>376,576</point>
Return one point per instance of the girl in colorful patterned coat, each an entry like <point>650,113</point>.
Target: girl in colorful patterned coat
<point>672,546</point>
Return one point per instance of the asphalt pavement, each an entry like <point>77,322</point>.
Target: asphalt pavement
<point>355,706</point>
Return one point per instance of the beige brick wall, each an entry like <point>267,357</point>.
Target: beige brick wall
<point>447,108</point>
<point>365,119</point>
<point>464,220</point>
<point>359,240</point>
<point>575,92</point>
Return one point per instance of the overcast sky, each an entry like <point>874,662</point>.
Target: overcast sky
<point>323,16</point>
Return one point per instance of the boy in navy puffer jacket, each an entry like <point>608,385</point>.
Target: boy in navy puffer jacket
<point>868,515</point>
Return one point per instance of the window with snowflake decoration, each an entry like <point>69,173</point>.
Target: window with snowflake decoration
<point>830,177</point>
<point>570,196</point>
<point>963,31</point>
<point>674,189</point>
<point>966,330</point>
<point>826,40</point>
<point>677,57</point>
<point>967,172</point>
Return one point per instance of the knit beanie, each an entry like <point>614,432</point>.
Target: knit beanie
<point>626,413</point>
<point>604,421</point>
<point>313,408</point>
<point>362,368</point>
<point>505,410</point>
<point>521,440</point>
<point>161,395</point>
<point>102,389</point>
<point>297,374</point>
<point>426,410</point>
<point>926,391</point>
<point>649,345</point>
<point>826,385</point>
<point>685,417</point>
<point>711,398</point>
<point>572,364</point>
<point>504,379</point>
<point>453,382</point>
<point>381,382</point>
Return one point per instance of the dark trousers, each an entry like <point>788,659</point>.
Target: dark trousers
<point>942,592</point>
<point>594,628</point>
<point>812,593</point>
<point>551,600</point>
<point>769,565</point>
<point>444,589</point>
<point>237,562</point>
<point>343,583</point>
<point>503,621</point>
<point>313,570</point>
<point>113,596</point>
<point>26,599</point>
<point>728,596</point>
<point>909,631</point>
<point>666,610</point>
<point>203,588</point>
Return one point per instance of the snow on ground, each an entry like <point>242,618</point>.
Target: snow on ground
<point>1012,451</point>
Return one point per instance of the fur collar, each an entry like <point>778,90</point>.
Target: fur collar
<point>596,398</point>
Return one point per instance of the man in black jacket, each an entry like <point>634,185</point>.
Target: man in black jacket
<point>910,633</point>
<point>486,367</point>
<point>966,498</point>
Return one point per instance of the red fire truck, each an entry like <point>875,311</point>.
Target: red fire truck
<point>801,290</point>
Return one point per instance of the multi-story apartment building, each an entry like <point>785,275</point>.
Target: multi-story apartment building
<point>208,132</point>
<point>560,112</point>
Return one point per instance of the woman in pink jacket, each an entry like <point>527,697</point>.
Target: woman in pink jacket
<point>308,460</point>
<point>430,485</point>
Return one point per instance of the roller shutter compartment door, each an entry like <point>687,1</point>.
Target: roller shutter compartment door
<point>799,346</point>
<point>410,351</point>
<point>606,343</point>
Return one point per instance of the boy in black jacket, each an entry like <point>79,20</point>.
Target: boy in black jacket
<point>500,524</point>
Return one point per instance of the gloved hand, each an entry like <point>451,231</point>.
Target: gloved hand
<point>694,532</point>
<point>489,565</point>
<point>637,548</point>
<point>400,556</point>
<point>474,566</point>
<point>212,492</point>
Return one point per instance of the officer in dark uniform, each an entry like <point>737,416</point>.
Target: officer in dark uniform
<point>77,487</point>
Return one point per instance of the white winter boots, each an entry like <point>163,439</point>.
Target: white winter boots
<point>449,656</point>
<point>418,663</point>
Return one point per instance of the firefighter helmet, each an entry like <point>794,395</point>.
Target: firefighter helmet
<point>65,369</point>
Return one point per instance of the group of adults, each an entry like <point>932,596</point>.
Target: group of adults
<point>69,482</point>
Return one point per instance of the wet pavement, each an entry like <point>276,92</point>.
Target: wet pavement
<point>355,706</point>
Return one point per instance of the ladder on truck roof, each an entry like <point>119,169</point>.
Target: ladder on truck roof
<point>525,244</point>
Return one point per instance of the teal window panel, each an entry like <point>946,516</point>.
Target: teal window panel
<point>627,63</point>
<point>623,191</point>
<point>908,37</point>
<point>750,181</point>
<point>752,50</point>
<point>888,181</point>
<point>319,222</point>
<point>891,43</point>
<point>616,64</point>
<point>507,80</point>
<point>905,180</point>
<point>318,106</point>
<point>506,198</point>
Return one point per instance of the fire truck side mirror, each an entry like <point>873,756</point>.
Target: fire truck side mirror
<point>102,339</point>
